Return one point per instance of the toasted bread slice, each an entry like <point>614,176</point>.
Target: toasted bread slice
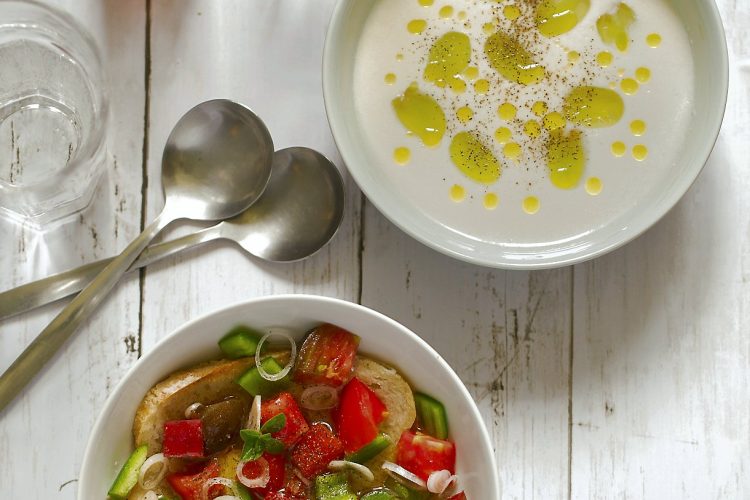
<point>397,396</point>
<point>167,400</point>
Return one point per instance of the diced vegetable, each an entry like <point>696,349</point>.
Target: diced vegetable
<point>128,475</point>
<point>370,450</point>
<point>256,385</point>
<point>431,415</point>
<point>319,397</point>
<point>189,484</point>
<point>381,494</point>
<point>358,415</point>
<point>422,455</point>
<point>276,470</point>
<point>327,356</point>
<point>255,473</point>
<point>243,492</point>
<point>240,342</point>
<point>404,492</point>
<point>183,438</point>
<point>343,465</point>
<point>458,496</point>
<point>255,444</point>
<point>221,423</point>
<point>333,487</point>
<point>294,488</point>
<point>295,426</point>
<point>315,450</point>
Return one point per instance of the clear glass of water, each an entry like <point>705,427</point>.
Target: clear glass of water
<point>53,114</point>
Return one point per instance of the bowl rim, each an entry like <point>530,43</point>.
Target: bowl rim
<point>559,255</point>
<point>99,425</point>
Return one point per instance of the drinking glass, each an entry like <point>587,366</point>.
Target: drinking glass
<point>53,113</point>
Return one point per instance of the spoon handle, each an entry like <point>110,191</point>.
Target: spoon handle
<point>49,341</point>
<point>38,293</point>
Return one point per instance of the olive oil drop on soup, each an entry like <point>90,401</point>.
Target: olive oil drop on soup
<point>529,120</point>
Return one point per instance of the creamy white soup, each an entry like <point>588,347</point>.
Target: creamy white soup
<point>527,120</point>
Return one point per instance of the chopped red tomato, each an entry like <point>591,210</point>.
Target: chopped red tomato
<point>315,450</point>
<point>458,496</point>
<point>422,454</point>
<point>358,415</point>
<point>276,472</point>
<point>296,425</point>
<point>189,484</point>
<point>327,356</point>
<point>183,438</point>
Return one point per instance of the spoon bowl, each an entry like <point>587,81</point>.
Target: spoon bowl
<point>298,213</point>
<point>217,161</point>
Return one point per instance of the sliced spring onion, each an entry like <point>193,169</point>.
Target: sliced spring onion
<point>253,420</point>
<point>276,332</point>
<point>319,397</point>
<point>255,384</point>
<point>298,474</point>
<point>370,450</point>
<point>339,465</point>
<point>404,476</point>
<point>440,480</point>
<point>431,415</point>
<point>214,481</point>
<point>256,482</point>
<point>158,460</point>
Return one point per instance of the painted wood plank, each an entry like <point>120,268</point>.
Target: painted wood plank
<point>265,55</point>
<point>506,334</point>
<point>661,374</point>
<point>44,432</point>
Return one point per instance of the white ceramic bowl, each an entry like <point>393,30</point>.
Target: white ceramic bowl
<point>703,25</point>
<point>111,440</point>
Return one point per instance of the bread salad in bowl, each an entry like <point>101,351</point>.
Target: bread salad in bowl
<point>276,420</point>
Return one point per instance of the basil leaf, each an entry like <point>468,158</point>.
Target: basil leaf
<point>272,445</point>
<point>253,447</point>
<point>274,424</point>
<point>246,434</point>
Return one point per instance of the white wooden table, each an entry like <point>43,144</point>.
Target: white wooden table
<point>625,377</point>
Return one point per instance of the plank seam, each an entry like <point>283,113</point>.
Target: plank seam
<point>144,167</point>
<point>570,384</point>
<point>361,249</point>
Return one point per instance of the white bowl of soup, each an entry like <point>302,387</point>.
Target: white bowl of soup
<point>395,350</point>
<point>525,134</point>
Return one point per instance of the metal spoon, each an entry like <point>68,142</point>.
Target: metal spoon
<point>216,163</point>
<point>297,214</point>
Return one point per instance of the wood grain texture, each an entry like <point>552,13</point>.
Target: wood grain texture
<point>661,372</point>
<point>235,58</point>
<point>44,432</point>
<point>507,335</point>
<point>625,377</point>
